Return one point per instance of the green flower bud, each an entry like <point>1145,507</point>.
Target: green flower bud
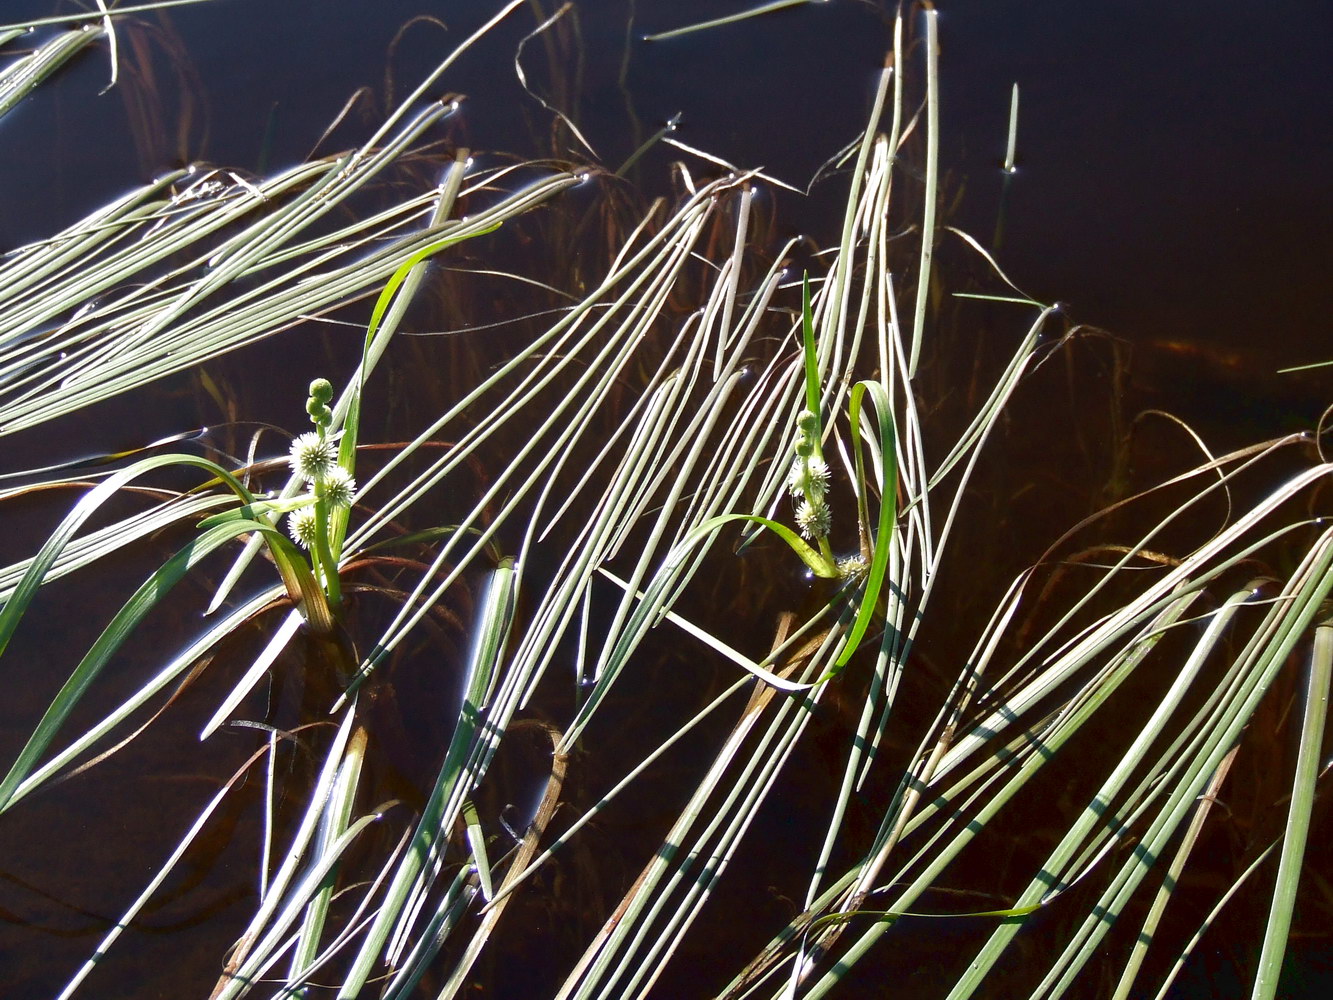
<point>321,391</point>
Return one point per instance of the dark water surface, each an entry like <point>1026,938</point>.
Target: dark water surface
<point>1173,189</point>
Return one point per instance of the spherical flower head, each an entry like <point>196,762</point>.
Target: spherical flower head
<point>817,473</point>
<point>852,567</point>
<point>796,479</point>
<point>814,519</point>
<point>338,488</point>
<point>303,525</point>
<point>313,456</point>
<point>808,478</point>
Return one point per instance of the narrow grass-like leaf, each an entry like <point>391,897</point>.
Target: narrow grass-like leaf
<point>1152,921</point>
<point>21,77</point>
<point>271,946</point>
<point>233,982</point>
<point>932,51</point>
<point>147,597</point>
<point>717,22</point>
<point>173,669</point>
<point>1012,142</point>
<point>446,798</point>
<point>1314,721</point>
<point>334,823</point>
<point>163,873</point>
<point>476,839</point>
<point>279,641</point>
<point>41,563</point>
<point>888,487</point>
<point>136,8</point>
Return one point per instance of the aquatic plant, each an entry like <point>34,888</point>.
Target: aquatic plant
<point>638,460</point>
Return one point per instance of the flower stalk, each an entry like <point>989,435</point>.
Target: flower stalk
<point>808,484</point>
<point>314,457</point>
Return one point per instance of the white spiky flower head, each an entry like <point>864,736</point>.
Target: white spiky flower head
<point>814,519</point>
<point>852,567</point>
<point>303,525</point>
<point>808,477</point>
<point>816,471</point>
<point>313,456</point>
<point>796,478</point>
<point>338,488</point>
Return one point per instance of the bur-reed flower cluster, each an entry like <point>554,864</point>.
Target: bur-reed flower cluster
<point>808,480</point>
<point>314,457</point>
